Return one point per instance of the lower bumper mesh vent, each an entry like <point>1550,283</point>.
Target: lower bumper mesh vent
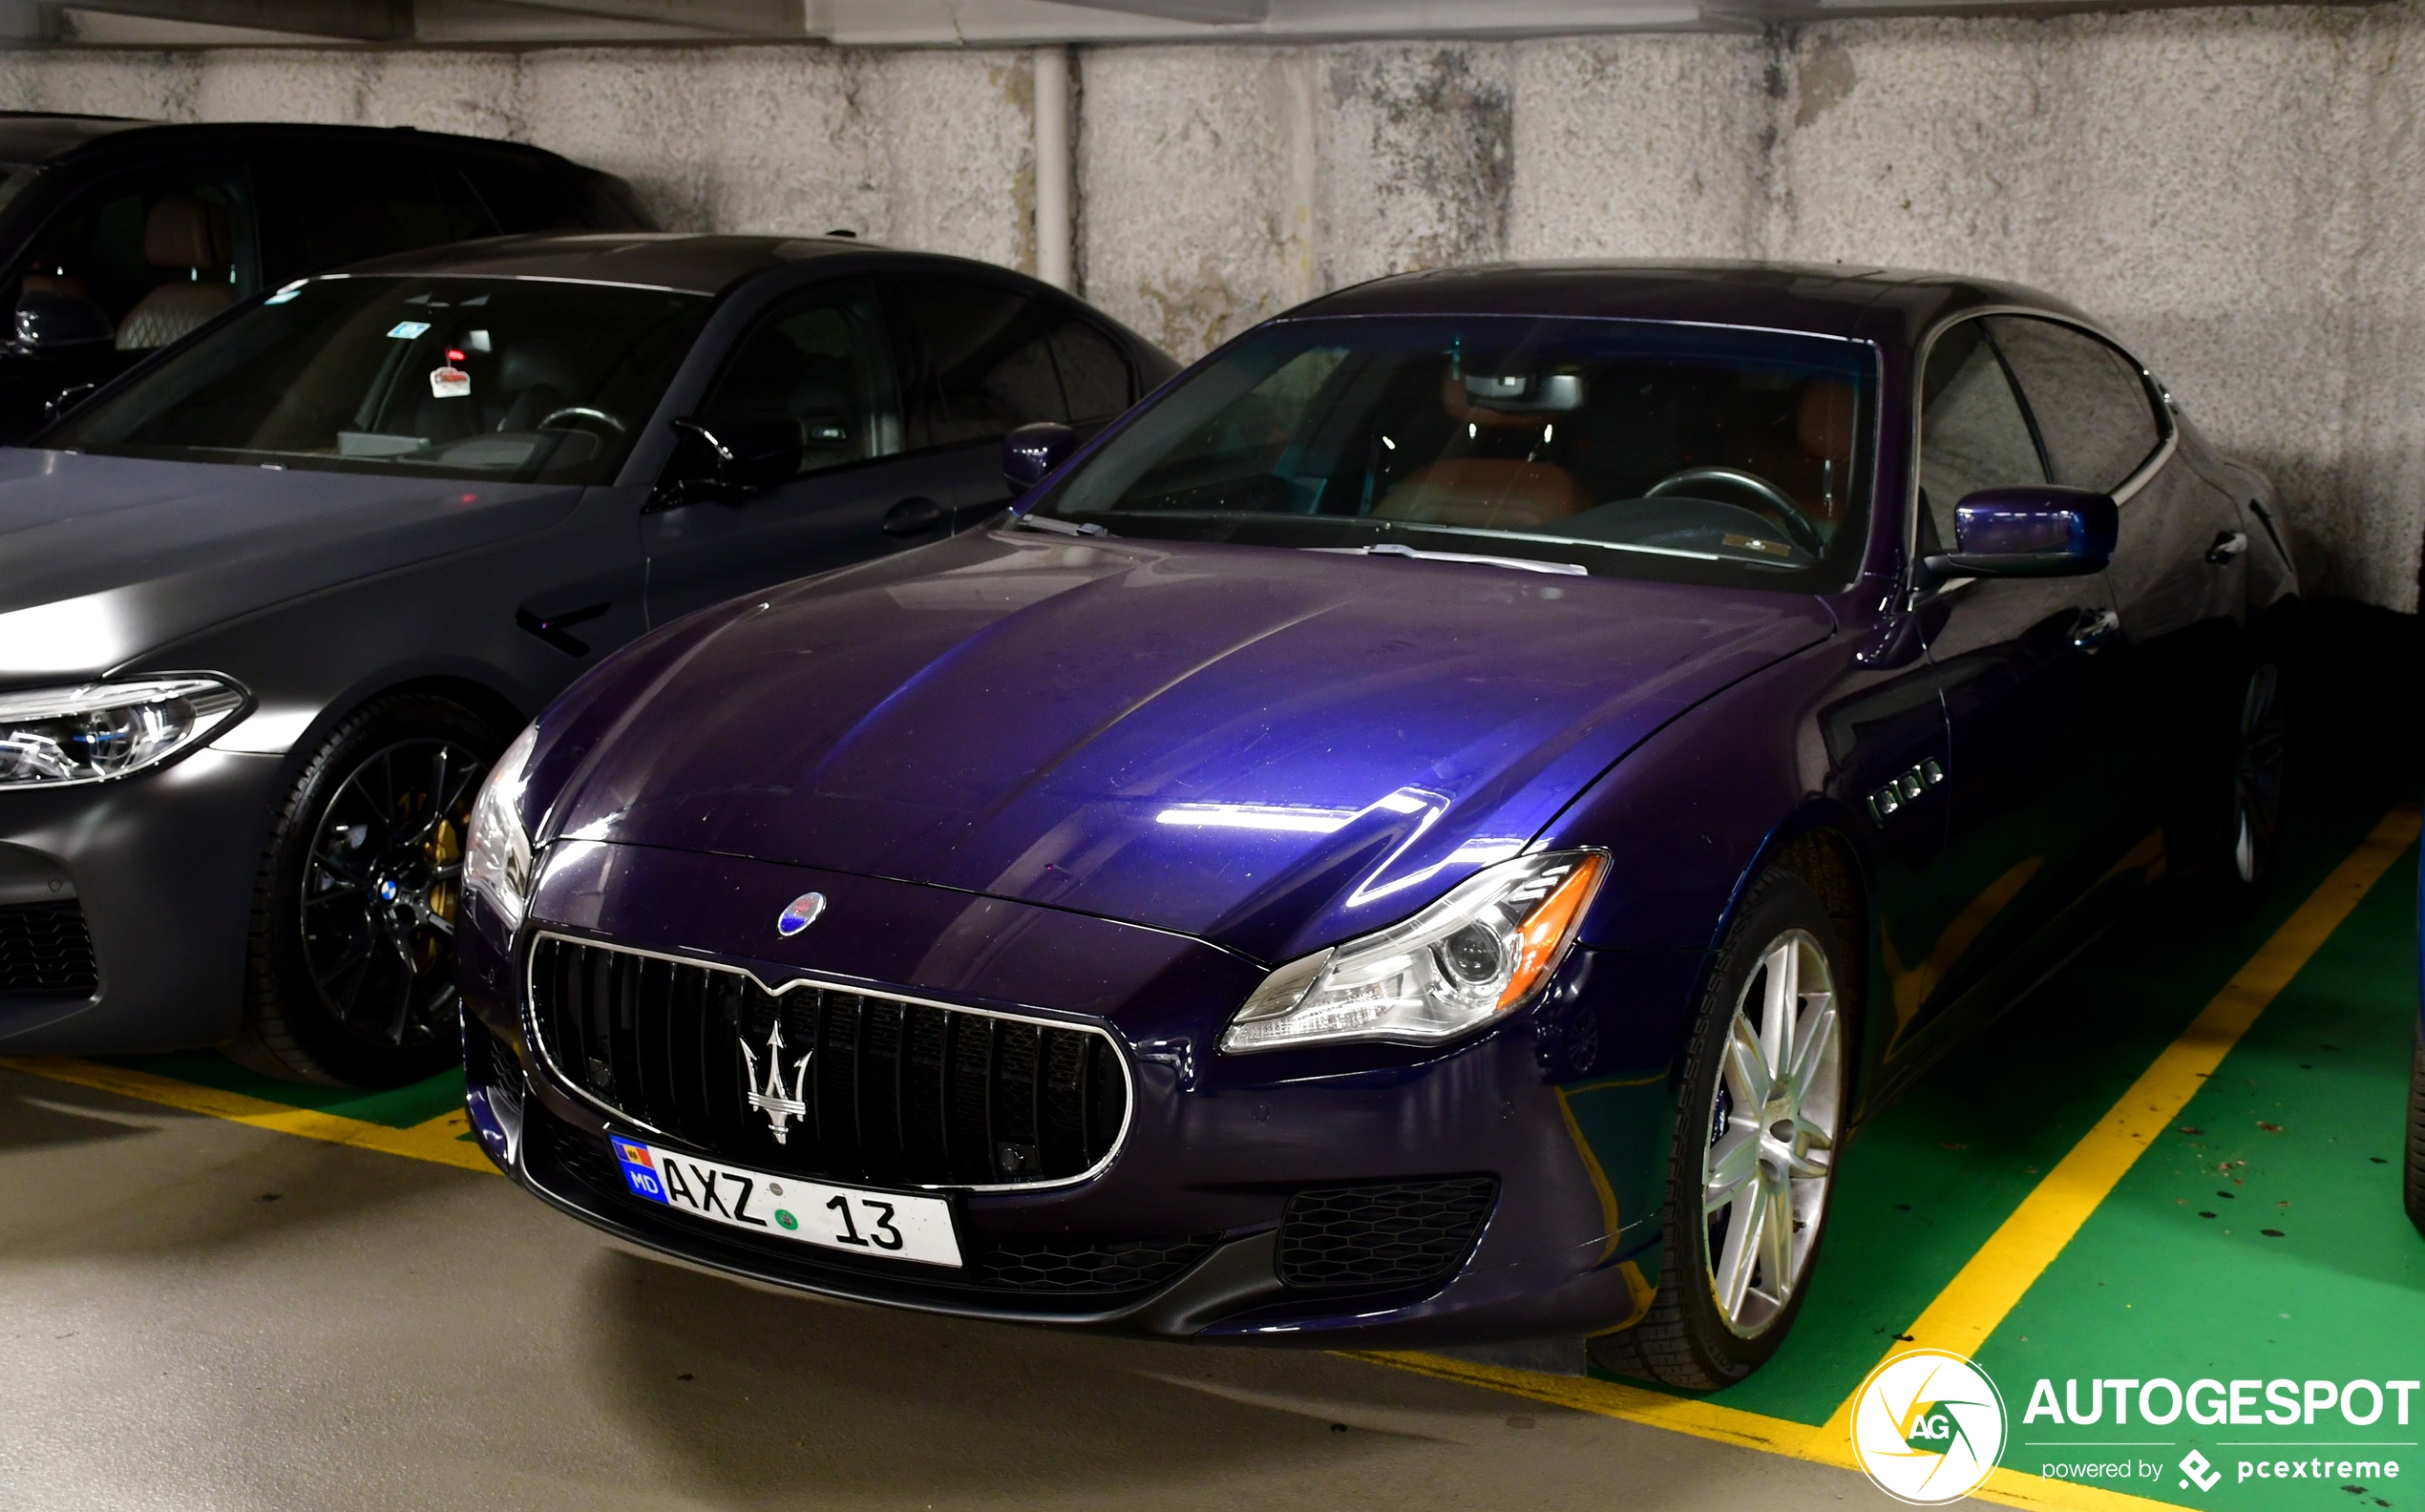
<point>46,949</point>
<point>1398,1233</point>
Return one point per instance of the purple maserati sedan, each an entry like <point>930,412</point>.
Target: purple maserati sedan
<point>1434,828</point>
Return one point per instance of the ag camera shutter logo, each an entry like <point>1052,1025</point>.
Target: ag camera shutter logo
<point>1927,1427</point>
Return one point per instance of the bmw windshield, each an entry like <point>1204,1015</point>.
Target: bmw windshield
<point>523,380</point>
<point>1630,448</point>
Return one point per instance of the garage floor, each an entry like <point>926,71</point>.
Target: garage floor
<point>200,1309</point>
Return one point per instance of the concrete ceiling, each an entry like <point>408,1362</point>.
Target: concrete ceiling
<point>922,23</point>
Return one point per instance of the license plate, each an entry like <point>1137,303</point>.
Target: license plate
<point>893,1225</point>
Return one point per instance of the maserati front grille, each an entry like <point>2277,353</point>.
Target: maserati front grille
<point>823,1082</point>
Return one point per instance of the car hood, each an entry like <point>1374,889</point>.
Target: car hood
<point>103,559</point>
<point>1262,748</point>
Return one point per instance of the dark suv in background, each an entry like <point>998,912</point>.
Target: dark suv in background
<point>118,237</point>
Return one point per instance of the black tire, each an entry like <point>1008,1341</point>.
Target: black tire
<point>2415,1182</point>
<point>350,975</point>
<point>2251,825</point>
<point>1686,1338</point>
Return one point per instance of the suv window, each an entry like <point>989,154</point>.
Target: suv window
<point>518,196</point>
<point>822,358</point>
<point>1094,375</point>
<point>340,208</point>
<point>2093,410</point>
<point>986,363</point>
<point>1973,431</point>
<point>159,251</point>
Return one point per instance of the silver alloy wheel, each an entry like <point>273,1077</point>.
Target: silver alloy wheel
<point>1770,1162</point>
<point>2256,790</point>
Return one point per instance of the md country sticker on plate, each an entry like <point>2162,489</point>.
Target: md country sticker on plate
<point>894,1225</point>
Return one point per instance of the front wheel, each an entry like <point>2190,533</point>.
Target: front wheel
<point>351,980</point>
<point>2258,762</point>
<point>1759,1121</point>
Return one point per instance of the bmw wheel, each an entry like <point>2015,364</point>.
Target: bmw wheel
<point>2257,760</point>
<point>351,970</point>
<point>1759,1122</point>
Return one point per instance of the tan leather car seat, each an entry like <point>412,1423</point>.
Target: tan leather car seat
<point>184,234</point>
<point>1485,493</point>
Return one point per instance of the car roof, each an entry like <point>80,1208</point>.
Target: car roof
<point>42,138</point>
<point>1867,304</point>
<point>695,262</point>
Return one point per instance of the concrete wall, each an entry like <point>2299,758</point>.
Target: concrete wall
<point>2236,192</point>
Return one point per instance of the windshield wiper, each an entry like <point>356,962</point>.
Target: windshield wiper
<point>1521,564</point>
<point>1058,527</point>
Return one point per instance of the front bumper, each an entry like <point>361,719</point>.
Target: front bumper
<point>162,866</point>
<point>1181,1234</point>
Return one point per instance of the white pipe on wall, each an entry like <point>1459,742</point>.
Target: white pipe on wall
<point>1052,167</point>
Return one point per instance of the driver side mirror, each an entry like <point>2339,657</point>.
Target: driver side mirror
<point>1033,451</point>
<point>48,319</point>
<point>732,456</point>
<point>2031,532</point>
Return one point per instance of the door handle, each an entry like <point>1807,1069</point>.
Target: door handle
<point>914,516</point>
<point>2096,629</point>
<point>2227,546</point>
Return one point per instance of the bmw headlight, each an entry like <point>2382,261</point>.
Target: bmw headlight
<point>54,737</point>
<point>496,860</point>
<point>1478,952</point>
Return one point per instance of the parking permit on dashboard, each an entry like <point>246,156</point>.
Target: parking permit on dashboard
<point>449,382</point>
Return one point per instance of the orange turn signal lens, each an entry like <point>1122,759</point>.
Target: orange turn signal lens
<point>1542,938</point>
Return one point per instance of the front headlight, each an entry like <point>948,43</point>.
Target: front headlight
<point>1478,952</point>
<point>55,737</point>
<point>497,859</point>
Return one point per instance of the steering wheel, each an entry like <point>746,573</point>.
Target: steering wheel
<point>1797,524</point>
<point>580,412</point>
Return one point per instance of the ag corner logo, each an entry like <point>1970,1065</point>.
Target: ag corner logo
<point>1927,1427</point>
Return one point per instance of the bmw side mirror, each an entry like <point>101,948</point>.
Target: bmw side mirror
<point>2033,532</point>
<point>1032,450</point>
<point>48,319</point>
<point>738,455</point>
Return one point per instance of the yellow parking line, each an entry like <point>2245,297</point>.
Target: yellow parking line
<point>2009,1264</point>
<point>440,1140</point>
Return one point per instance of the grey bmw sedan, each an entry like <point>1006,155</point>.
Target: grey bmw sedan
<point>271,602</point>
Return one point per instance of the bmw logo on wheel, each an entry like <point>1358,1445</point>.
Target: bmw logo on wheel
<point>801,912</point>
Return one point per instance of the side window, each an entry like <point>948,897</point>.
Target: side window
<point>518,196</point>
<point>822,358</point>
<point>159,252</point>
<point>1973,433</point>
<point>342,209</point>
<point>2093,410</point>
<point>987,364</point>
<point>1094,375</point>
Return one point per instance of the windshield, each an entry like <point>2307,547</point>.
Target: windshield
<point>527,380</point>
<point>1630,448</point>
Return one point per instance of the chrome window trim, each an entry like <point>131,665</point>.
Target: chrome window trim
<point>2159,400</point>
<point>547,1055</point>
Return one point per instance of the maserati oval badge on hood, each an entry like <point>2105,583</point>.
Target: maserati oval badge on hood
<point>801,912</point>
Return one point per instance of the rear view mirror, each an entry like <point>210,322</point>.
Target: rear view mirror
<point>739,454</point>
<point>48,319</point>
<point>2033,532</point>
<point>1032,450</point>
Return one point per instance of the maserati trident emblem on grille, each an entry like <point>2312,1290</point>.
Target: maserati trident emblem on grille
<point>770,1098</point>
<point>801,912</point>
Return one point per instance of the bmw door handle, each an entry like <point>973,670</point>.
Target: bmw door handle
<point>2095,630</point>
<point>914,516</point>
<point>2228,546</point>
